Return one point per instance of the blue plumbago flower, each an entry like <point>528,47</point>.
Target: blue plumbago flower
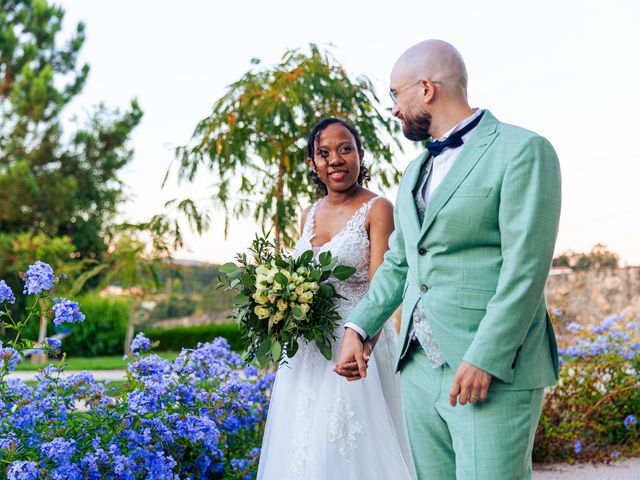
<point>608,322</point>
<point>577,446</point>
<point>574,327</point>
<point>634,326</point>
<point>630,421</point>
<point>6,295</point>
<point>181,419</point>
<point>66,311</point>
<point>22,471</point>
<point>557,312</point>
<point>140,343</point>
<point>59,450</point>
<point>615,454</point>
<point>9,357</point>
<point>53,344</point>
<point>38,278</point>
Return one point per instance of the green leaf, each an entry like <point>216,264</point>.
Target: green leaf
<point>305,258</point>
<point>280,278</point>
<point>228,268</point>
<point>292,348</point>
<point>241,300</point>
<point>316,275</point>
<point>248,280</point>
<point>326,290</point>
<point>325,350</point>
<point>325,258</point>
<point>276,351</point>
<point>342,272</point>
<point>296,312</point>
<point>262,354</point>
<point>281,263</point>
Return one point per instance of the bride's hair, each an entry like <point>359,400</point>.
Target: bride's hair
<point>311,150</point>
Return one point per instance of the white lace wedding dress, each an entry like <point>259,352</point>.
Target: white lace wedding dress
<point>320,426</point>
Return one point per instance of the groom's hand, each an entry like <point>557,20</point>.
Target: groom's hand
<point>469,385</point>
<point>352,351</point>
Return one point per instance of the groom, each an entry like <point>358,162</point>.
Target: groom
<point>476,219</point>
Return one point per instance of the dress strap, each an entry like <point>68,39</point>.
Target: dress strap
<point>309,224</point>
<point>358,219</point>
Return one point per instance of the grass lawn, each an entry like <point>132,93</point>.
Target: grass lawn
<point>113,362</point>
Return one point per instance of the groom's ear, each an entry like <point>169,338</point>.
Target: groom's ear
<point>428,90</point>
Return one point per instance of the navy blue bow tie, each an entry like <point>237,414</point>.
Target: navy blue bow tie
<point>454,140</point>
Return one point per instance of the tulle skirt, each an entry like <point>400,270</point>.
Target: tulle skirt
<point>322,427</point>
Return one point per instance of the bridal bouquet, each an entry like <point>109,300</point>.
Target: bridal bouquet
<point>281,300</point>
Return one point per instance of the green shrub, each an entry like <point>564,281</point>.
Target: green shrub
<point>592,413</point>
<point>103,331</point>
<point>174,306</point>
<point>174,339</point>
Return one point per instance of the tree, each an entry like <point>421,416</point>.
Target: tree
<point>253,141</point>
<point>51,181</point>
<point>599,257</point>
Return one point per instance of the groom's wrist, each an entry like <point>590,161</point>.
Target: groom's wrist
<point>363,335</point>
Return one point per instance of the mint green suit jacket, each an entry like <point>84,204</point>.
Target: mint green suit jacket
<point>480,259</point>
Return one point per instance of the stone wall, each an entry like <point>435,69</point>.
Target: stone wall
<point>590,295</point>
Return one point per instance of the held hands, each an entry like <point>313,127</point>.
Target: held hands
<point>469,385</point>
<point>354,356</point>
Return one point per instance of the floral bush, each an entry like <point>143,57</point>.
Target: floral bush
<point>592,413</point>
<point>197,417</point>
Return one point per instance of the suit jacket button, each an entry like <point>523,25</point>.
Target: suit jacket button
<point>422,251</point>
<point>423,288</point>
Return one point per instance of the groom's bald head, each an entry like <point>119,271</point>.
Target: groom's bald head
<point>436,60</point>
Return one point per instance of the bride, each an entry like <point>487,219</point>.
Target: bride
<point>319,426</point>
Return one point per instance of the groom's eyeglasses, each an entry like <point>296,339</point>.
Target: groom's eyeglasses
<point>394,93</point>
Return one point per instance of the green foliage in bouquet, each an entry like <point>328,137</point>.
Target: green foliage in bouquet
<point>282,300</point>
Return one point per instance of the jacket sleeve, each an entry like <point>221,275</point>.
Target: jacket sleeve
<point>386,287</point>
<point>528,219</point>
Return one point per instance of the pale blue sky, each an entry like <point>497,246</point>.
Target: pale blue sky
<point>565,69</point>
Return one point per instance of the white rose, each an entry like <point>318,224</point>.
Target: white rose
<point>261,312</point>
<point>306,297</point>
<point>304,307</point>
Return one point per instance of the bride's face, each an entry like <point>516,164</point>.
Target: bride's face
<point>336,158</point>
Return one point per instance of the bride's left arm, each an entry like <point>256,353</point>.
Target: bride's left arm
<point>380,226</point>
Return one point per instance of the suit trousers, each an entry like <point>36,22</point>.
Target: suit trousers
<point>491,440</point>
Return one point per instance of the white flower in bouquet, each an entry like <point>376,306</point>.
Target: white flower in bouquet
<point>282,305</point>
<point>306,297</point>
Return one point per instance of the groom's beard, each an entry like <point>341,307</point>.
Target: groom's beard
<point>417,128</point>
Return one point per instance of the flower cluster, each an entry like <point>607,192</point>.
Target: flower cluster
<point>66,311</point>
<point>199,416</point>
<point>9,359</point>
<point>6,295</point>
<point>140,344</point>
<point>291,294</point>
<point>38,278</point>
<point>591,413</point>
<point>283,300</point>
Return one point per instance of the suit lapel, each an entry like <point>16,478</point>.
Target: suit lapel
<point>472,152</point>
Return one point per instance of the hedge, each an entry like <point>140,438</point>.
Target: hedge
<point>174,339</point>
<point>104,329</point>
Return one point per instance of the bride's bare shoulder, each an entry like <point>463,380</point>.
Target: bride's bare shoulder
<point>381,211</point>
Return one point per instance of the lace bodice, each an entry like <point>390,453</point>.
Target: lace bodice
<point>350,246</point>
